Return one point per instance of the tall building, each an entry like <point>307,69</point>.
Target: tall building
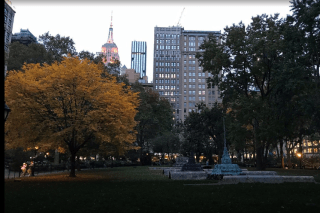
<point>24,37</point>
<point>110,49</point>
<point>8,25</point>
<point>139,57</point>
<point>176,72</point>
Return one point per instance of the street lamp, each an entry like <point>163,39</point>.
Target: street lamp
<point>299,156</point>
<point>6,111</point>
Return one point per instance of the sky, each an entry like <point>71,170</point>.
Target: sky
<point>88,22</point>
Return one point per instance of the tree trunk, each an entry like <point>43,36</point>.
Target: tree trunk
<point>258,147</point>
<point>78,163</point>
<point>288,155</point>
<point>281,153</point>
<point>73,165</point>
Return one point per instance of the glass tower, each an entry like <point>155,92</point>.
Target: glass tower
<point>139,57</point>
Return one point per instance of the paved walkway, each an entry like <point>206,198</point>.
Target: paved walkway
<point>11,174</point>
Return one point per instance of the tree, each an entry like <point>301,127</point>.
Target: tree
<point>204,131</point>
<point>196,138</point>
<point>154,116</point>
<point>246,66</point>
<point>57,46</point>
<point>67,105</point>
<point>20,54</point>
<point>168,142</point>
<point>307,22</point>
<point>50,49</point>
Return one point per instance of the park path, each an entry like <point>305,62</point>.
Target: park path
<point>12,174</point>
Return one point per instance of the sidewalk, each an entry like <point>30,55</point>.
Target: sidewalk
<point>12,174</point>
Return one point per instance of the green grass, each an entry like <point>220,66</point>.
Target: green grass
<point>128,189</point>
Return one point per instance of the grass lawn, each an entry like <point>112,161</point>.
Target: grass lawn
<point>128,189</point>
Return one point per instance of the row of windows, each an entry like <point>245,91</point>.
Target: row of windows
<point>309,150</point>
<point>309,143</point>
<point>168,64</point>
<point>161,35</point>
<point>167,47</point>
<point>161,87</point>
<point>168,58</point>
<point>166,52</point>
<point>162,81</point>
<point>193,86</point>
<point>193,92</point>
<point>192,44</point>
<point>200,74</point>
<point>167,93</point>
<point>192,38</point>
<point>190,49</point>
<point>190,62</point>
<point>193,98</point>
<point>193,80</point>
<point>167,41</point>
<point>166,75</point>
<point>189,56</point>
<point>167,69</point>
<point>190,68</point>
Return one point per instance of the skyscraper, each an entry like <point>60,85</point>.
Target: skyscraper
<point>110,49</point>
<point>176,72</point>
<point>139,57</point>
<point>8,23</point>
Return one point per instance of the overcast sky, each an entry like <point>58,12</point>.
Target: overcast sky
<point>88,22</point>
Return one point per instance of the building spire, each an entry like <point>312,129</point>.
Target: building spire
<point>111,19</point>
<point>110,36</point>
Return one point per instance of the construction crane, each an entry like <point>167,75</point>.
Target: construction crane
<point>180,18</point>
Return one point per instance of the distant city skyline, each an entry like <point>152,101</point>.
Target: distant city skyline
<point>87,22</point>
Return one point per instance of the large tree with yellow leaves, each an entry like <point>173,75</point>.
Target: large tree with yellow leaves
<point>66,105</point>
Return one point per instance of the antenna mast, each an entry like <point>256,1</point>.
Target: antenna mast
<point>180,18</point>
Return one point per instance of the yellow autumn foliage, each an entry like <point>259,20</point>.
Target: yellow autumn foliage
<point>65,104</point>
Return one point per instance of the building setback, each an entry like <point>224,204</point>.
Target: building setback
<point>176,72</point>
<point>24,37</point>
<point>139,57</point>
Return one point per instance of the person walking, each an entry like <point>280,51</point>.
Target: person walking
<point>24,169</point>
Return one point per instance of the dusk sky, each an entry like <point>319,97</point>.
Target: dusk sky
<point>88,22</point>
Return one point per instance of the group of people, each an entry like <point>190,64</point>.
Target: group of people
<point>27,169</point>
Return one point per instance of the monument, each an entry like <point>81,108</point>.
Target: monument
<point>226,167</point>
<point>180,161</point>
<point>189,170</point>
<point>191,165</point>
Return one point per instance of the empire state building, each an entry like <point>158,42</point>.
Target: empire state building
<point>110,49</point>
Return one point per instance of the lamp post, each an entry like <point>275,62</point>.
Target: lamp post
<point>6,111</point>
<point>33,167</point>
<point>299,156</point>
